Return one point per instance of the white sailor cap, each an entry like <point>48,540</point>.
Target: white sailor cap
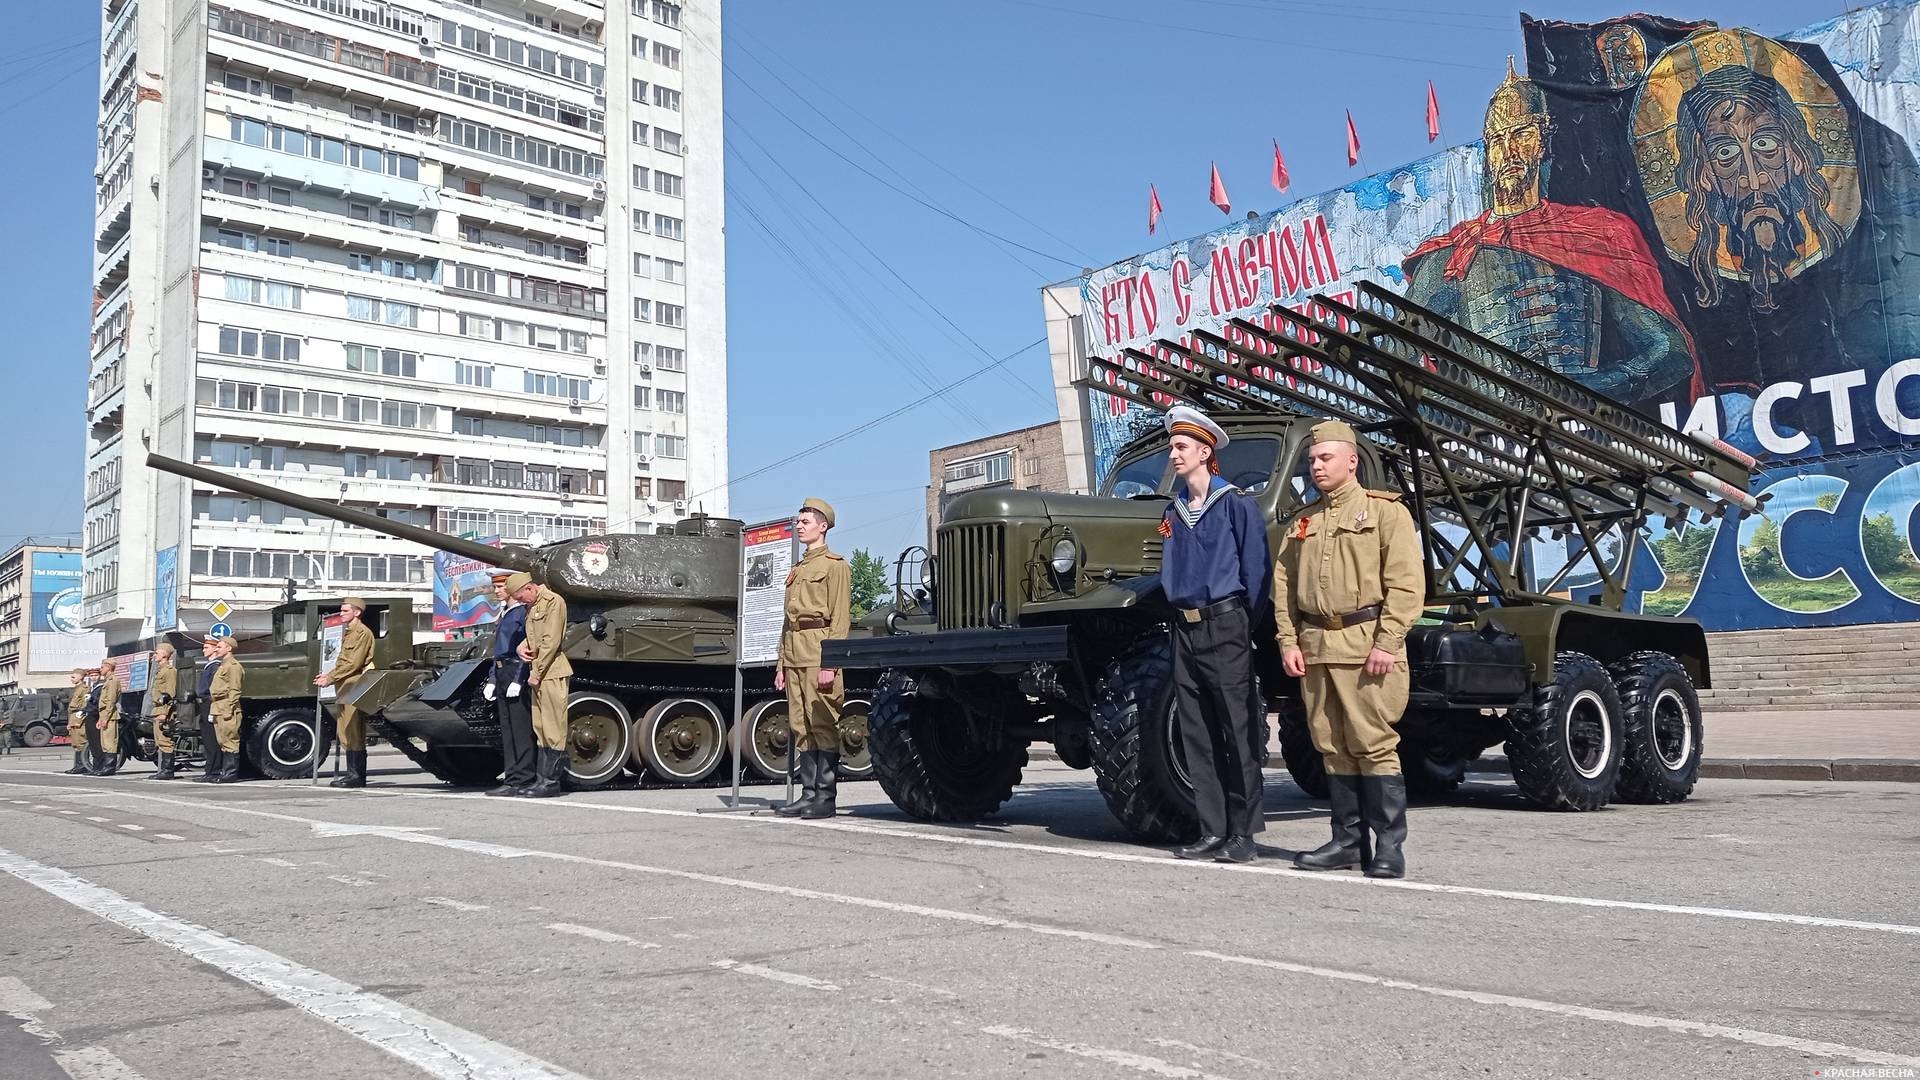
<point>1187,420</point>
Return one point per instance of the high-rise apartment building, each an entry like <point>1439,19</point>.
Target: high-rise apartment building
<point>457,261</point>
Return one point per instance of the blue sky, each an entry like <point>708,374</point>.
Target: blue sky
<point>854,142</point>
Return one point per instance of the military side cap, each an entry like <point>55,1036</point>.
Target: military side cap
<point>501,577</point>
<point>1335,431</point>
<point>1191,422</point>
<point>354,602</point>
<point>516,582</point>
<point>821,507</point>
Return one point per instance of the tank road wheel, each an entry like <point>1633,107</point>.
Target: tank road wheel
<point>1565,750</point>
<point>1304,762</point>
<point>764,742</point>
<point>682,740</point>
<point>598,734</point>
<point>856,758</point>
<point>280,747</point>
<point>929,762</point>
<point>1137,756</point>
<point>1661,714</point>
<point>462,766</point>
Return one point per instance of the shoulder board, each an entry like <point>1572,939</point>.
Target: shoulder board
<point>1389,496</point>
<point>834,557</point>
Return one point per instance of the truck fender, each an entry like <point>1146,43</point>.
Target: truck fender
<point>1124,594</point>
<point>1605,635</point>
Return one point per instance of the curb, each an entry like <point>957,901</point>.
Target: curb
<point>1844,770</point>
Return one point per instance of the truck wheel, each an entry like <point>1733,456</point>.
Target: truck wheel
<point>1565,749</point>
<point>1304,762</point>
<point>927,760</point>
<point>1661,714</point>
<point>462,766</point>
<point>37,735</point>
<point>281,745</point>
<point>1431,771</point>
<point>856,757</point>
<point>1137,758</point>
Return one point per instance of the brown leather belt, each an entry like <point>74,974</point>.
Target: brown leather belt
<point>1341,622</point>
<point>810,623</point>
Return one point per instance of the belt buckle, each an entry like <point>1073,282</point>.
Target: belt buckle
<point>1191,615</point>
<point>1335,622</point>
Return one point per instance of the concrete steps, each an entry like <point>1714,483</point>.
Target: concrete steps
<point>1843,667</point>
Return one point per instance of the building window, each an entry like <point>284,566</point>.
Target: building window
<point>639,133</point>
<point>670,446</point>
<point>640,91</point>
<point>667,141</point>
<point>671,359</point>
<point>643,488</point>
<point>643,443</point>
<point>666,99</point>
<point>391,312</point>
<point>280,196</point>
<point>274,245</point>
<point>642,309</point>
<point>278,294</point>
<point>668,184</point>
<point>642,221</point>
<point>670,227</point>
<point>639,46</point>
<point>673,270</point>
<point>640,177</point>
<point>672,314</point>
<point>673,401</point>
<point>672,490</point>
<point>666,14</point>
<point>239,241</point>
<point>473,187</point>
<point>235,341</point>
<point>468,373</point>
<point>641,394</point>
<point>564,386</point>
<point>378,361</point>
<point>643,266</point>
<point>666,56</point>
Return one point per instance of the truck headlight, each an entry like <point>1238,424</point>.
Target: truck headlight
<point>1066,556</point>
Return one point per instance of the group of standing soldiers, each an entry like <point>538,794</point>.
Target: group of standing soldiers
<point>93,714</point>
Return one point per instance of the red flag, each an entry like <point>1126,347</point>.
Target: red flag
<point>1433,113</point>
<point>1281,181</point>
<point>1353,141</point>
<point>1218,194</point>
<point>1153,208</point>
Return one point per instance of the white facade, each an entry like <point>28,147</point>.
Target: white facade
<point>457,261</point>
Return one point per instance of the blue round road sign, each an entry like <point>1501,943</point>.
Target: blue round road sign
<point>220,630</point>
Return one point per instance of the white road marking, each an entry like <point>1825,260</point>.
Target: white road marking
<point>597,934</point>
<point>1126,1059</point>
<point>282,863</point>
<point>430,1044</point>
<point>778,976</point>
<point>70,811</point>
<point>133,828</point>
<point>41,806</point>
<point>93,1063</point>
<point>348,879</point>
<point>18,999</point>
<point>1176,1044</point>
<point>1613,1016</point>
<point>101,820</point>
<point>168,836</point>
<point>447,901</point>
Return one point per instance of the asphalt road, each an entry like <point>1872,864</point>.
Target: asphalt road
<point>271,930</point>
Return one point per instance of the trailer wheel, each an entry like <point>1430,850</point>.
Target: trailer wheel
<point>929,762</point>
<point>856,757</point>
<point>37,735</point>
<point>1661,715</point>
<point>1138,761</point>
<point>281,744</point>
<point>1565,749</point>
<point>1306,764</point>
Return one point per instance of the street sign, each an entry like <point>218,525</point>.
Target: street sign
<point>220,630</point>
<point>220,610</point>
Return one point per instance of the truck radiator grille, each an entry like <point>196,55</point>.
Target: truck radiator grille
<point>970,575</point>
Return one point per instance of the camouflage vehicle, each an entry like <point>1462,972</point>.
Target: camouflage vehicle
<point>1048,621</point>
<point>34,717</point>
<point>653,622</point>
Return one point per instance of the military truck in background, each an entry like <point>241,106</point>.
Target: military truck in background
<point>1049,622</point>
<point>36,716</point>
<point>652,636</point>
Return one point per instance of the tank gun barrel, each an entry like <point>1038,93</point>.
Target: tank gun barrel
<point>512,558</point>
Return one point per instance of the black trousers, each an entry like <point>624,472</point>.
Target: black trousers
<point>516,732</point>
<point>1217,704</point>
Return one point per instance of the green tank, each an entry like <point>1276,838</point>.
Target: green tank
<point>652,635</point>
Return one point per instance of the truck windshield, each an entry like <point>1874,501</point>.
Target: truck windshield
<point>1247,464</point>
<point>289,627</point>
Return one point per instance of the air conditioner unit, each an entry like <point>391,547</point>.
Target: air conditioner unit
<point>205,174</point>
<point>599,96</point>
<point>646,369</point>
<point>679,506</point>
<point>599,187</point>
<point>643,459</point>
<point>590,28</point>
<point>599,367</point>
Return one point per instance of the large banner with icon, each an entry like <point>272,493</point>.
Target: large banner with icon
<point>1716,227</point>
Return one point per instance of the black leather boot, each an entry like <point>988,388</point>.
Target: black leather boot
<point>550,768</point>
<point>1347,848</point>
<point>1385,802</point>
<point>1237,849</point>
<point>165,771</point>
<point>1202,847</point>
<point>79,764</point>
<point>804,782</point>
<point>826,785</point>
<point>356,775</point>
<point>105,764</point>
<point>229,772</point>
<point>210,767</point>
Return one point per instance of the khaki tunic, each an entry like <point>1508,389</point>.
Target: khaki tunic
<point>160,698</point>
<point>110,715</point>
<point>224,703</point>
<point>356,656</point>
<point>546,631</point>
<point>77,716</point>
<point>1351,549</point>
<point>819,590</point>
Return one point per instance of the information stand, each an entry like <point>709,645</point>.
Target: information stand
<point>333,630</point>
<point>767,553</point>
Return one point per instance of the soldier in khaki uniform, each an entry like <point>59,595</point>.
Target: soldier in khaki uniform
<point>106,711</point>
<point>548,673</point>
<point>356,657</point>
<point>223,703</point>
<point>1349,582</point>
<point>819,607</point>
<point>77,721</point>
<point>161,685</point>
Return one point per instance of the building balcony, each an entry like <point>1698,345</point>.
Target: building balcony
<point>303,172</point>
<point>113,265</point>
<point>315,49</point>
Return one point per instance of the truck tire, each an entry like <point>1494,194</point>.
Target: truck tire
<point>1565,749</point>
<point>37,735</point>
<point>280,744</point>
<point>1661,714</point>
<point>462,766</point>
<point>1432,771</point>
<point>1305,763</point>
<point>926,761</point>
<point>1137,760</point>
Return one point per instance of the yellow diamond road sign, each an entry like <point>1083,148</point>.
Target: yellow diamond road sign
<point>220,610</point>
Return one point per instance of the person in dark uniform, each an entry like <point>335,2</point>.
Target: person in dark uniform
<point>512,705</point>
<point>203,700</point>
<point>1215,571</point>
